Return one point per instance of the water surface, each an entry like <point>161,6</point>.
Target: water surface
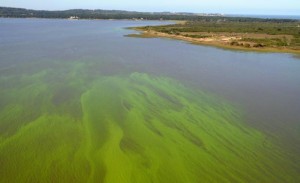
<point>79,102</point>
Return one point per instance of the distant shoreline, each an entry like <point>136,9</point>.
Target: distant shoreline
<point>123,14</point>
<point>292,17</point>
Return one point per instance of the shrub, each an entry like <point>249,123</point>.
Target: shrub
<point>234,43</point>
<point>247,45</point>
<point>258,45</point>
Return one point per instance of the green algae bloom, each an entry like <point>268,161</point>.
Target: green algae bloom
<point>69,123</point>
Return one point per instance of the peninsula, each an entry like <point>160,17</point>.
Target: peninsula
<point>248,34</point>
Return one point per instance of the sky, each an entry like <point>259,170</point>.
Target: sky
<point>259,7</point>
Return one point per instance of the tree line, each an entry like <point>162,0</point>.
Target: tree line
<point>117,14</point>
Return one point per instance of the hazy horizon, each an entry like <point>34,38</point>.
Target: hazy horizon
<point>242,7</point>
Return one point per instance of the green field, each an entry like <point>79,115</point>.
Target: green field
<point>88,122</point>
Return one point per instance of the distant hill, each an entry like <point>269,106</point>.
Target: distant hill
<point>119,14</point>
<point>96,14</point>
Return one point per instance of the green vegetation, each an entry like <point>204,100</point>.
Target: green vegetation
<point>119,14</point>
<point>96,14</point>
<point>247,34</point>
<point>98,124</point>
<point>223,25</point>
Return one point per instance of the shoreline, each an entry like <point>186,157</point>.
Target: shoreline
<point>221,41</point>
<point>207,42</point>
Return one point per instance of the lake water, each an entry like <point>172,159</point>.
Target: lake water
<point>80,101</point>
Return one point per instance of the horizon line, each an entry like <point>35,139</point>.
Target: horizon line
<point>166,11</point>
